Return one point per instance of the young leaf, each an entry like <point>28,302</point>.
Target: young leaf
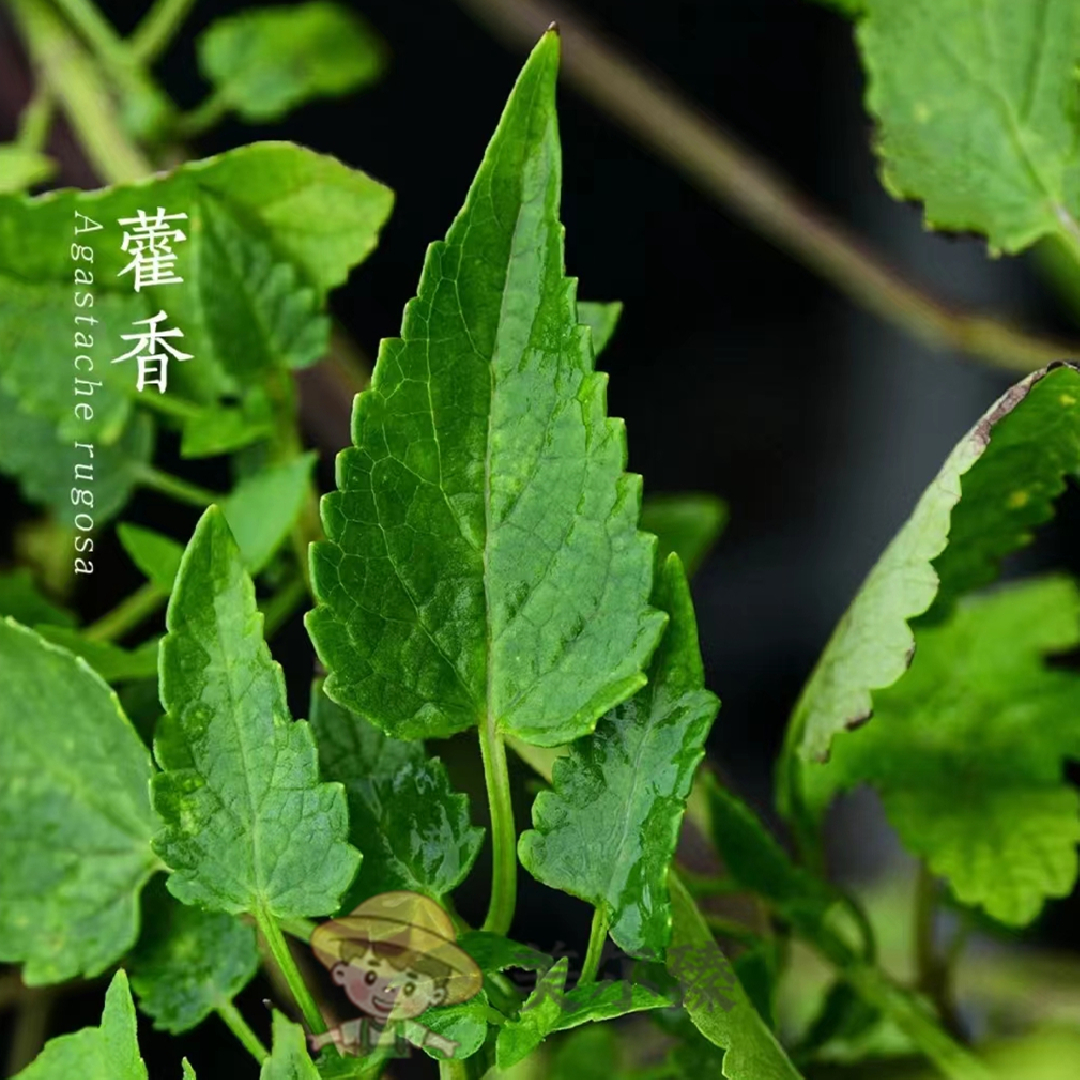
<point>967,751</point>
<point>551,1008</point>
<point>607,830</point>
<point>716,1001</point>
<point>113,663</point>
<point>32,453</point>
<point>265,61</point>
<point>213,430</point>
<point>270,228</point>
<point>20,598</point>
<point>75,817</point>
<point>414,830</point>
<point>22,168</point>
<point>157,556</point>
<point>756,861</point>
<point>261,509</point>
<point>493,952</point>
<point>107,1052</point>
<point>483,562</point>
<point>189,962</point>
<point>248,826</point>
<point>289,1058</point>
<point>602,319</point>
<point>687,523</point>
<point>465,1023</point>
<point>999,481</point>
<point>976,108</point>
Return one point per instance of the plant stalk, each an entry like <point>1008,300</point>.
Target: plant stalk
<point>503,836</point>
<point>239,1027</point>
<point>74,81</point>
<point>598,933</point>
<point>279,949</point>
<point>157,28</point>
<point>131,611</point>
<point>677,131</point>
<point>177,488</point>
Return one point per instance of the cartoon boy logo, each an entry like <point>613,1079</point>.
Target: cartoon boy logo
<point>396,955</point>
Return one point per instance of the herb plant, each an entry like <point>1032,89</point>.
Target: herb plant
<point>486,568</point>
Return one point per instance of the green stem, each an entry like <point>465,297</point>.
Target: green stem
<point>279,949</point>
<point>601,921</point>
<point>207,114</point>
<point>131,611</point>
<point>114,57</point>
<point>75,82</point>
<point>157,28</point>
<point>503,836</point>
<point>239,1027</point>
<point>35,121</point>
<point>953,1059</point>
<point>176,488</point>
<point>452,1069</point>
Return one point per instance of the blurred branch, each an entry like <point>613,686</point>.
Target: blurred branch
<point>665,122</point>
<point>31,1027</point>
<point>158,27</point>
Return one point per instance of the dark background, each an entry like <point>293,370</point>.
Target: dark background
<point>737,371</point>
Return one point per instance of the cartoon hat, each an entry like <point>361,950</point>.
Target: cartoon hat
<point>413,923</point>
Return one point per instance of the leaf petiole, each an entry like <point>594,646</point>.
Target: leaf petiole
<point>131,611</point>
<point>279,949</point>
<point>503,836</point>
<point>598,933</point>
<point>157,28</point>
<point>176,488</point>
<point>239,1027</point>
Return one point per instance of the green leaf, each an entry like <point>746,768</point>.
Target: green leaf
<point>483,562</point>
<point>602,319</point>
<point>976,107</point>
<point>551,1008</point>
<point>967,751</point>
<point>413,829</point>
<point>211,431</point>
<point>716,1001</point>
<point>755,860</point>
<point>22,168</point>
<point>113,663</point>
<point>999,482</point>
<point>289,1058</point>
<point>465,1023</point>
<point>687,523</point>
<point>607,830</point>
<point>20,598</point>
<point>261,509</point>
<point>189,962</point>
<point>32,452</point>
<point>157,556</point>
<point>493,952</point>
<point>270,228</point>
<point>589,1053</point>
<point>265,61</point>
<point>75,817</point>
<point>107,1052</point>
<point>248,827</point>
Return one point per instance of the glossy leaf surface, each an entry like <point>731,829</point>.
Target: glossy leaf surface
<point>607,830</point>
<point>413,829</point>
<point>483,562</point>
<point>248,825</point>
<point>75,817</point>
<point>967,750</point>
